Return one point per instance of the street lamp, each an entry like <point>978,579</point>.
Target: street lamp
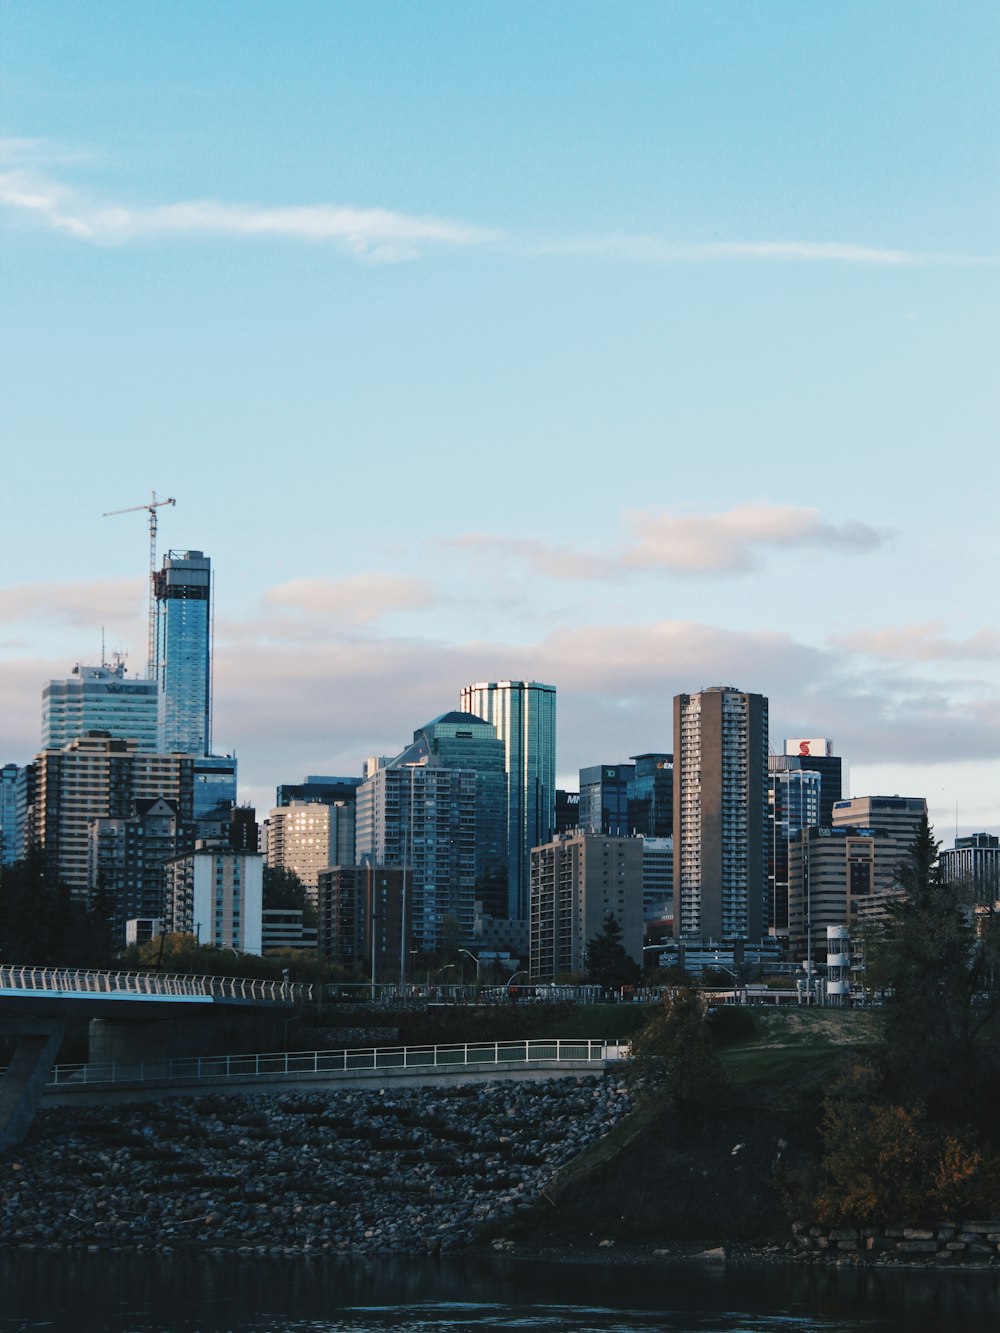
<point>475,960</point>
<point>511,980</point>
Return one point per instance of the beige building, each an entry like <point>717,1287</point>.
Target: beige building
<point>899,819</point>
<point>577,881</point>
<point>831,873</point>
<point>306,837</point>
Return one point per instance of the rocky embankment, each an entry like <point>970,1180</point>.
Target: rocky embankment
<point>400,1171</point>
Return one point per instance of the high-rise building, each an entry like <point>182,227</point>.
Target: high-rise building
<point>604,803</point>
<point>305,837</point>
<point>832,874</point>
<point>98,777</point>
<point>15,783</point>
<point>578,880</point>
<point>658,885</point>
<point>720,815</point>
<point>214,785</point>
<point>793,798</point>
<point>567,811</point>
<point>816,755</point>
<point>898,816</point>
<point>421,817</point>
<point>524,715</point>
<point>974,863</point>
<point>215,893</point>
<point>438,809</point>
<point>127,855</point>
<point>361,919</point>
<point>651,796</point>
<point>183,590</point>
<point>100,698</point>
<point>324,789</point>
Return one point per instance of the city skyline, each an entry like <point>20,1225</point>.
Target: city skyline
<point>636,351</point>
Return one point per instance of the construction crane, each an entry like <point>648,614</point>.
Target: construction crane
<point>151,508</point>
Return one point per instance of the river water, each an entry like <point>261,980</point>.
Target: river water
<point>77,1292</point>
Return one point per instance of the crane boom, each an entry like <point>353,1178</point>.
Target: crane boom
<point>151,507</point>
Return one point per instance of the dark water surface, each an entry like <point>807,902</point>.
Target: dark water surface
<point>147,1293</point>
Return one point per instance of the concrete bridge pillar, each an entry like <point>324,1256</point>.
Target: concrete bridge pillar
<point>36,1045</point>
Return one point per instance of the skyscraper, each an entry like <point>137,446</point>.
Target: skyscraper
<point>720,814</point>
<point>524,715</point>
<point>604,799</point>
<point>816,754</point>
<point>183,590</point>
<point>439,810</point>
<point>100,698</point>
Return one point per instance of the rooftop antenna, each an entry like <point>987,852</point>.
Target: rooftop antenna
<point>103,660</point>
<point>151,507</point>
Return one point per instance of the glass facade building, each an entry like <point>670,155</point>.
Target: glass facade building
<point>524,715</point>
<point>183,590</point>
<point>604,803</point>
<point>100,698</point>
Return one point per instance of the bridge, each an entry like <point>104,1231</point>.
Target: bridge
<point>37,1004</point>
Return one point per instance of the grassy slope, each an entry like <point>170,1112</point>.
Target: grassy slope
<point>717,1180</point>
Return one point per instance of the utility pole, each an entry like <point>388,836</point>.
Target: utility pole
<point>151,508</point>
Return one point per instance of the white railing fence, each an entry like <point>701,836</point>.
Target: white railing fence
<point>77,981</point>
<point>285,1064</point>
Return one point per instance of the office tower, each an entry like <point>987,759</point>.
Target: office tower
<point>214,785</point>
<point>439,810</point>
<point>831,877</point>
<point>98,777</point>
<point>899,817</point>
<point>793,803</point>
<point>567,811</point>
<point>14,783</point>
<point>183,590</point>
<point>604,806</point>
<point>651,796</point>
<point>305,837</point>
<point>974,864</point>
<point>578,880</point>
<point>720,814</point>
<point>215,893</point>
<point>524,715</point>
<point>100,698</point>
<point>816,755</point>
<point>658,886</point>
<point>421,817</point>
<point>328,790</point>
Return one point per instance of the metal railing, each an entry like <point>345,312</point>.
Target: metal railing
<point>77,981</point>
<point>288,1064</point>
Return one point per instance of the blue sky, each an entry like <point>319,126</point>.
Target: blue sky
<point>632,347</point>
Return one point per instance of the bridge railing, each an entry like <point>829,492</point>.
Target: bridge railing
<point>288,1064</point>
<point>77,981</point>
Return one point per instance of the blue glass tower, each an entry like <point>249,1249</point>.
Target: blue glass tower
<point>524,715</point>
<point>183,590</point>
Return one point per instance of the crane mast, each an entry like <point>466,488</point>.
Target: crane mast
<point>151,507</point>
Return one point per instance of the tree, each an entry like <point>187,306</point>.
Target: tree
<point>607,962</point>
<point>284,889</point>
<point>675,1050</point>
<point>938,960</point>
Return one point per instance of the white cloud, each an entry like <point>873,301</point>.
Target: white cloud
<point>663,541</point>
<point>657,250</point>
<point>111,602</point>
<point>377,234</point>
<point>358,600</point>
<point>921,641</point>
